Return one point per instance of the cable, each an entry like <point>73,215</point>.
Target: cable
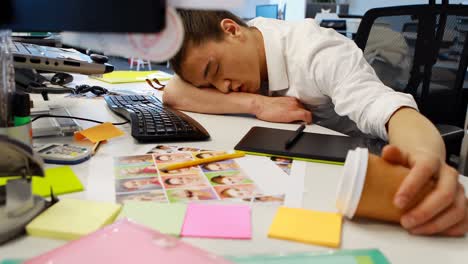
<point>78,118</point>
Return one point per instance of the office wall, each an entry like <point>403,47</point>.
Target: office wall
<point>359,7</point>
<point>248,10</point>
<point>295,9</point>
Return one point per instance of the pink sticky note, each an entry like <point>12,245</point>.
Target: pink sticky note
<point>217,221</point>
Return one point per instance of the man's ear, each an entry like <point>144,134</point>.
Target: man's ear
<point>230,27</point>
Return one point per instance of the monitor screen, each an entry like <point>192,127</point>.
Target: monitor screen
<point>83,15</point>
<point>268,11</point>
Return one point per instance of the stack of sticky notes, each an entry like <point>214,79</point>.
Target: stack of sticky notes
<point>132,76</point>
<point>165,218</point>
<point>70,219</point>
<point>218,221</point>
<point>307,226</point>
<point>99,133</point>
<point>62,180</point>
<point>127,242</point>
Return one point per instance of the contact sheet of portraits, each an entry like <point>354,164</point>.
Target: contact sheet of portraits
<point>138,178</point>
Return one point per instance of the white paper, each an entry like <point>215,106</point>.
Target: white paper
<point>266,175</point>
<point>295,190</point>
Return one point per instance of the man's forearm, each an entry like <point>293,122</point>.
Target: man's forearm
<point>411,131</point>
<point>184,96</point>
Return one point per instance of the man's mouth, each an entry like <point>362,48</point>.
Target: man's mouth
<point>243,88</point>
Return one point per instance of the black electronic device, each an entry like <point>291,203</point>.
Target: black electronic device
<point>99,58</point>
<point>153,122</point>
<point>336,24</point>
<point>61,78</point>
<point>32,56</point>
<point>310,146</point>
<point>83,15</point>
<point>96,90</point>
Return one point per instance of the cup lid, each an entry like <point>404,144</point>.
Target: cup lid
<point>352,181</point>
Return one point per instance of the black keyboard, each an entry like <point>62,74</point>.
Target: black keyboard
<point>153,122</point>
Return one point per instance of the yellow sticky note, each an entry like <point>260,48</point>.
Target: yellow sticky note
<point>307,226</point>
<point>62,179</point>
<point>70,219</point>
<point>132,76</point>
<point>100,132</point>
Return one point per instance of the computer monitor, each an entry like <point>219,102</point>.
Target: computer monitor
<point>268,11</point>
<point>117,16</point>
<point>83,15</point>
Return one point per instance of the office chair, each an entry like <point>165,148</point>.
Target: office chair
<point>421,50</point>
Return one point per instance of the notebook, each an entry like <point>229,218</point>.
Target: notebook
<point>127,242</point>
<point>309,147</point>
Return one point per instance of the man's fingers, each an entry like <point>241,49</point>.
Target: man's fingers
<point>447,219</point>
<point>301,115</point>
<point>461,228</point>
<point>419,175</point>
<point>437,201</point>
<point>393,155</point>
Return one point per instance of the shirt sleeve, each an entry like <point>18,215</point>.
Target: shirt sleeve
<point>337,67</point>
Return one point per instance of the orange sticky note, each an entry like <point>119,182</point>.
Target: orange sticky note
<point>100,132</point>
<point>307,226</point>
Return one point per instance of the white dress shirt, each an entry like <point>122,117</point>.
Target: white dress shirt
<point>329,75</point>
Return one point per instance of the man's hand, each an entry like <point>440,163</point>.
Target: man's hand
<point>444,211</point>
<point>280,109</point>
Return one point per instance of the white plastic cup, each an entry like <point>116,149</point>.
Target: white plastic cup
<point>368,187</point>
<point>352,181</point>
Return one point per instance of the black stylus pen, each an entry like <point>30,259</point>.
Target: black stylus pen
<point>296,136</point>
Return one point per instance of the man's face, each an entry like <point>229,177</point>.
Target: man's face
<point>219,166</point>
<point>238,193</point>
<point>182,180</point>
<point>229,65</point>
<point>164,158</point>
<point>135,184</point>
<point>231,180</point>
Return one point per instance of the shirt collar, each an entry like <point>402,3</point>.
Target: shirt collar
<point>275,57</point>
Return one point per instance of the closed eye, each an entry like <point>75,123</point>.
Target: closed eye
<point>217,70</point>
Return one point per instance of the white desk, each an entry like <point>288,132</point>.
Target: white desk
<point>320,186</point>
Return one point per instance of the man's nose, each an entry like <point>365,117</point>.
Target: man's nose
<point>224,86</point>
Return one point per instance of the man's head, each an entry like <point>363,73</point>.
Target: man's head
<point>235,193</point>
<point>220,51</point>
<point>219,166</point>
<point>226,180</point>
<point>164,157</point>
<point>136,184</point>
<point>181,180</point>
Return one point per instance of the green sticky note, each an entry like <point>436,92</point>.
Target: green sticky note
<point>354,256</point>
<point>165,218</point>
<point>364,260</point>
<point>71,219</point>
<point>62,179</point>
<point>11,261</point>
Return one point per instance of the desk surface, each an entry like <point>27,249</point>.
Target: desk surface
<point>320,187</point>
